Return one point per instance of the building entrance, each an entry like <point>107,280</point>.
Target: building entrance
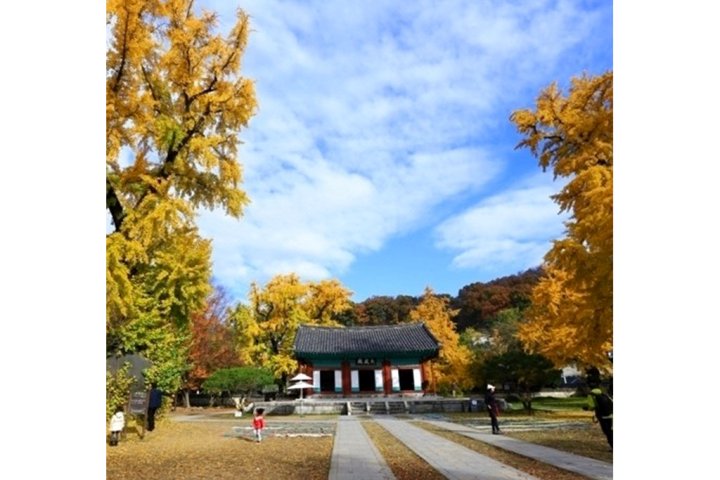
<point>407,381</point>
<point>366,380</point>
<point>327,381</point>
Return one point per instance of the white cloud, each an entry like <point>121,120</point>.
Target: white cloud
<point>372,115</point>
<point>513,229</point>
<point>313,217</point>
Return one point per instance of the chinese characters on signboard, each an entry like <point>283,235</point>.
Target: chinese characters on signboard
<point>364,361</point>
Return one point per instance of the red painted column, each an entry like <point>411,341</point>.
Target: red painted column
<point>387,379</point>
<point>309,372</point>
<point>425,375</point>
<point>346,378</point>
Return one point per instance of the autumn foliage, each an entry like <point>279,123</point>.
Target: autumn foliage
<point>175,104</point>
<point>450,370</point>
<point>276,311</point>
<point>571,318</point>
<point>212,344</point>
<point>384,310</point>
<point>480,303</point>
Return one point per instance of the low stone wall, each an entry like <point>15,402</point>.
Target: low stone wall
<point>356,406</point>
<point>292,407</point>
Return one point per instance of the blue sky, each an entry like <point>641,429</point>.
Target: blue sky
<point>382,153</point>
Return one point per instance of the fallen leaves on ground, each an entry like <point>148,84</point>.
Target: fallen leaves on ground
<point>588,442</point>
<point>220,447</point>
<point>213,450</point>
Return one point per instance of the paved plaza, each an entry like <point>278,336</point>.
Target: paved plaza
<point>355,457</point>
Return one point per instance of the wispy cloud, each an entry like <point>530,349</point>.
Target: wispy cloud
<point>512,230</point>
<point>375,115</point>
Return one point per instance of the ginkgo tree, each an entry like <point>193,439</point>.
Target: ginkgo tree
<point>450,370</point>
<point>571,317</point>
<point>267,327</point>
<point>175,104</point>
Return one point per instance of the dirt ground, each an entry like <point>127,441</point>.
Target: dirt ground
<point>218,449</point>
<point>190,445</point>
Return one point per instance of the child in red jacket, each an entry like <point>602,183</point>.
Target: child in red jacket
<point>258,423</point>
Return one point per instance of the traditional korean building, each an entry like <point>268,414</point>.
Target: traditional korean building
<point>366,361</point>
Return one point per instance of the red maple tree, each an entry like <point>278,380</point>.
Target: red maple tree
<point>213,340</point>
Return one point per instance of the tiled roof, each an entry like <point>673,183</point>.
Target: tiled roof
<point>399,339</point>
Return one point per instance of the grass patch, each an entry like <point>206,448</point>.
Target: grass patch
<point>521,414</point>
<point>569,403</point>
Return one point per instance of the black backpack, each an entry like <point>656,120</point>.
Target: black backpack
<point>604,405</point>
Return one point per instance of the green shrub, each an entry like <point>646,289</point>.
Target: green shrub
<point>117,389</point>
<point>238,380</point>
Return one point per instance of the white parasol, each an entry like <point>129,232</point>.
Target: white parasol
<point>300,377</point>
<point>300,386</point>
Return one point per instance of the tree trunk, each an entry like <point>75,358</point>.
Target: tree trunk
<point>186,398</point>
<point>112,203</point>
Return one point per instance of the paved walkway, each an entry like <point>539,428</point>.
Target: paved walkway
<point>354,455</point>
<point>588,467</point>
<point>356,458</point>
<point>452,460</point>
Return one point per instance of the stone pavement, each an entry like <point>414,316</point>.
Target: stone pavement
<point>452,460</point>
<point>588,467</point>
<point>354,455</point>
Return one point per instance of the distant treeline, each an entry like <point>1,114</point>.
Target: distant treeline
<point>477,303</point>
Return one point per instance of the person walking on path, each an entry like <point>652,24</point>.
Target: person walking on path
<point>492,408</point>
<point>258,424</point>
<point>154,404</point>
<point>117,423</point>
<point>602,404</point>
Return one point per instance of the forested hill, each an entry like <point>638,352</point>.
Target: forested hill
<point>478,303</point>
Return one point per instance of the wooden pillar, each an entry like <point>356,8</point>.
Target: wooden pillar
<point>308,370</point>
<point>387,380</point>
<point>426,375</point>
<point>346,378</point>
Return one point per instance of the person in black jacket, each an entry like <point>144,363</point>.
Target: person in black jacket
<point>492,408</point>
<point>154,403</point>
<point>602,404</point>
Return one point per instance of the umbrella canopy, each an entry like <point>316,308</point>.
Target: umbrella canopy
<point>300,385</point>
<point>300,376</point>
